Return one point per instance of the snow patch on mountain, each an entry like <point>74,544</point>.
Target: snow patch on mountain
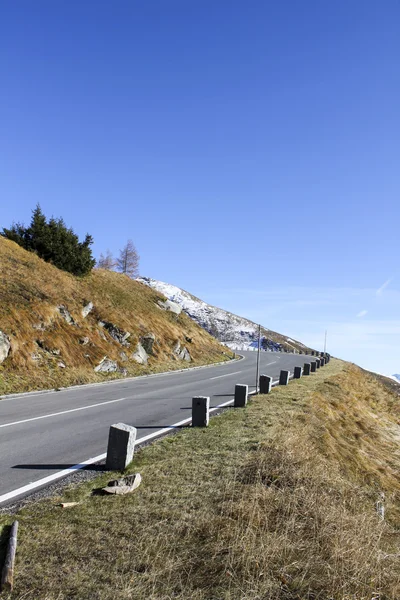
<point>235,332</point>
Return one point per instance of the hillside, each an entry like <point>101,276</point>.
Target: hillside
<point>236,332</point>
<point>56,329</point>
<point>295,497</point>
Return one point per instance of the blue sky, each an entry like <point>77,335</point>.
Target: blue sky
<point>250,150</point>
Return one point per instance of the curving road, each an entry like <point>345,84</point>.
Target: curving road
<point>44,434</point>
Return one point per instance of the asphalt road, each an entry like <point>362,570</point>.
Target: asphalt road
<point>43,434</point>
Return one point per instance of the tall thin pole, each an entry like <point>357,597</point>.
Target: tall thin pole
<point>258,358</point>
<point>326,333</point>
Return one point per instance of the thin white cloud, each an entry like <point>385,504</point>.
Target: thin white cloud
<point>379,291</point>
<point>362,313</point>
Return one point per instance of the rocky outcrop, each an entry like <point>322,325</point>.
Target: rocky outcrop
<point>109,366</point>
<point>140,355</point>
<point>181,352</point>
<point>147,342</point>
<point>84,341</point>
<point>5,346</point>
<point>87,309</point>
<point>170,306</point>
<point>66,315</point>
<point>116,333</point>
<point>106,365</point>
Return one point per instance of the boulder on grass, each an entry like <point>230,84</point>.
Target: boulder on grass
<point>181,352</point>
<point>5,346</point>
<point>87,309</point>
<point>106,366</point>
<point>170,306</point>
<point>66,315</point>
<point>140,355</point>
<point>116,333</point>
<point>147,342</point>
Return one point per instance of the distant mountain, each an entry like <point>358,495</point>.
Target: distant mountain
<point>236,332</point>
<point>396,376</point>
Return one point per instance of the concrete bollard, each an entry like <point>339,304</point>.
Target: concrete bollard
<point>307,368</point>
<point>284,378</point>
<point>121,446</point>
<point>265,384</point>
<point>241,393</point>
<point>200,411</point>
<point>312,353</point>
<point>318,361</point>
<point>313,366</point>
<point>298,371</point>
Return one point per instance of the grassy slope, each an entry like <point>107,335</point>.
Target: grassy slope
<point>30,291</point>
<point>275,501</point>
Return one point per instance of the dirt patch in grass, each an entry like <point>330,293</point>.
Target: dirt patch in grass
<point>274,501</point>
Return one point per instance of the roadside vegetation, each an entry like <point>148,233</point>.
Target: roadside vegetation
<point>50,342</point>
<point>275,501</point>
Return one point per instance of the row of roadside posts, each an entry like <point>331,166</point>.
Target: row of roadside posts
<point>122,438</point>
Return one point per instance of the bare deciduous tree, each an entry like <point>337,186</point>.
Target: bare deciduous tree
<point>106,262</point>
<point>128,261</point>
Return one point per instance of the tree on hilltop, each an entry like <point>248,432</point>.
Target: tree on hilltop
<point>54,242</point>
<point>128,261</point>
<point>107,262</point>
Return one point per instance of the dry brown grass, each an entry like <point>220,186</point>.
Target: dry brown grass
<point>30,291</point>
<point>275,501</point>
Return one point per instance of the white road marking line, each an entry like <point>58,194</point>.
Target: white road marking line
<point>273,363</point>
<point>63,412</point>
<point>226,375</point>
<point>30,487</point>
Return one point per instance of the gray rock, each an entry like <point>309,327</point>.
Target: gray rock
<point>181,352</point>
<point>170,306</point>
<point>55,351</point>
<point>147,342</point>
<point>39,326</point>
<point>140,355</point>
<point>84,341</point>
<point>5,346</point>
<point>102,334</point>
<point>116,333</point>
<point>66,315</point>
<point>185,355</point>
<point>177,348</point>
<point>61,365</point>
<point>106,366</point>
<point>35,356</point>
<point>87,309</point>
<point>123,356</point>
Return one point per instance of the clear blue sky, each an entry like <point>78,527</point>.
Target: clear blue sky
<point>250,150</point>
